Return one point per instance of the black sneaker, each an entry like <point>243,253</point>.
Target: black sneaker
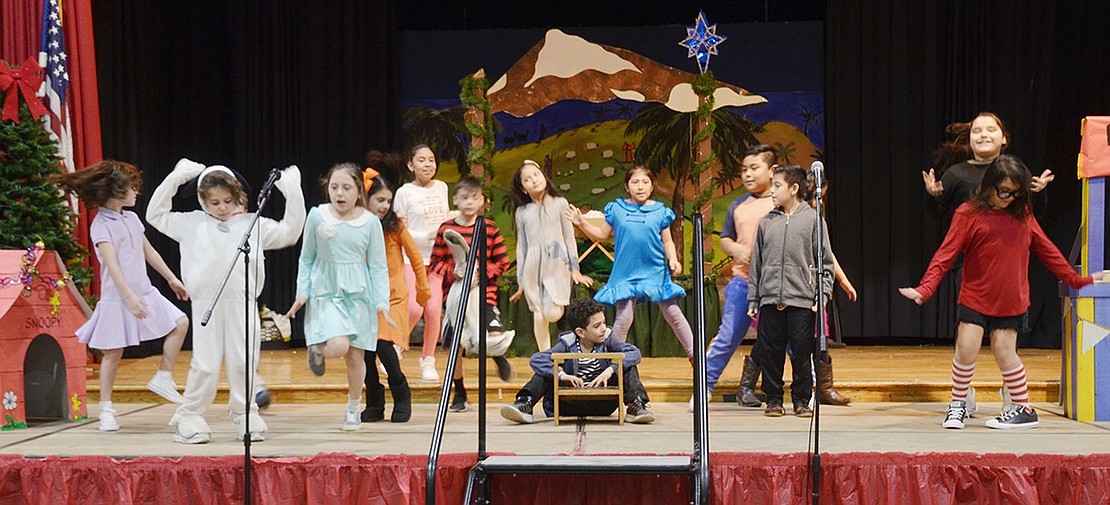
<point>504,368</point>
<point>637,414</point>
<point>459,404</point>
<point>520,411</point>
<point>315,360</point>
<point>802,409</point>
<point>1018,417</point>
<point>954,418</point>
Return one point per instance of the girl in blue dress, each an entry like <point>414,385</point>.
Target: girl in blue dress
<point>343,278</point>
<point>644,256</point>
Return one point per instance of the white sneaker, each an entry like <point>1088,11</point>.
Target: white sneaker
<point>162,384</point>
<point>428,369</point>
<point>108,420</point>
<point>351,421</point>
<point>971,407</point>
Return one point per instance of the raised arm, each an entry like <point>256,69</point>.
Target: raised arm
<point>284,233</point>
<point>159,209</point>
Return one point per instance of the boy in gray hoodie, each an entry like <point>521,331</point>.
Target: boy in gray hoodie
<point>782,289</point>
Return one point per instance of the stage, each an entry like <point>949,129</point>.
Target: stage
<point>872,451</point>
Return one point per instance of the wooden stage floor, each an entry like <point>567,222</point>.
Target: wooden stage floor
<point>865,373</point>
<point>306,416</point>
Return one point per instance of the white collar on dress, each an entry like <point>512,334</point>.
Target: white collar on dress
<point>329,216</point>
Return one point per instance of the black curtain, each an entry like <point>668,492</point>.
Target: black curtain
<point>252,85</point>
<point>897,73</point>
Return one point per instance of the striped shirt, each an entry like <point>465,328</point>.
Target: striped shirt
<point>442,261</point>
<point>588,368</point>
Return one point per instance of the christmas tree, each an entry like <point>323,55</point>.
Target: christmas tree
<point>32,209</point>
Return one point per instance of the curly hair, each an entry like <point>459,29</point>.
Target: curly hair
<point>225,181</point>
<point>578,313</point>
<point>98,183</point>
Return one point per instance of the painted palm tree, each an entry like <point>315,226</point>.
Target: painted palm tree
<point>785,151</point>
<point>444,130</point>
<point>665,145</point>
<point>809,117</point>
<point>624,109</point>
<point>600,112</point>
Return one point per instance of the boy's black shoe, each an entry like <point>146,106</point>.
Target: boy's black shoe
<point>504,368</point>
<point>459,404</point>
<point>637,414</point>
<point>774,410</point>
<point>802,410</point>
<point>520,411</point>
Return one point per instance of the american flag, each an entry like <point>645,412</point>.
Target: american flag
<point>52,58</point>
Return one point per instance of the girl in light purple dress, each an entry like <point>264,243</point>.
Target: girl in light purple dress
<point>130,310</point>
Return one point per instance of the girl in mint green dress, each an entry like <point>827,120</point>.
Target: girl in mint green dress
<point>343,279</point>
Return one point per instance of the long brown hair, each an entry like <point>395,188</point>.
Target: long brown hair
<point>1005,167</point>
<point>101,182</point>
<point>957,147</point>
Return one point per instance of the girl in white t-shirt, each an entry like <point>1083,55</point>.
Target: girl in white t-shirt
<point>422,206</point>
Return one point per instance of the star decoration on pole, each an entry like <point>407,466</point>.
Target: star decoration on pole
<point>702,40</point>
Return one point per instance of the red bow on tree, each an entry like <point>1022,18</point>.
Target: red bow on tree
<point>27,79</point>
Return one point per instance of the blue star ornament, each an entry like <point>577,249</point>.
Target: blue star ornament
<point>702,40</point>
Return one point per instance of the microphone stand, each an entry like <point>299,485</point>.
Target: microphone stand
<point>245,250</point>
<point>822,344</point>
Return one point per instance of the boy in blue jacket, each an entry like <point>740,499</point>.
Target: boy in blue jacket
<point>585,331</point>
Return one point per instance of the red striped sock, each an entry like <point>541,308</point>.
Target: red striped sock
<point>961,379</point>
<point>1017,385</point>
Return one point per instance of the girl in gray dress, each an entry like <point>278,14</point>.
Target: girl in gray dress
<point>546,253</point>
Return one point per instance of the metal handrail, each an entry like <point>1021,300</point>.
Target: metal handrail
<point>478,243</point>
<point>701,400</point>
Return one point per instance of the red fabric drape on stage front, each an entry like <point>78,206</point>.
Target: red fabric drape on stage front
<point>754,478</point>
<point>20,26</point>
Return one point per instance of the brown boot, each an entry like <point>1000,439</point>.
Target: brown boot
<point>829,395</point>
<point>746,395</point>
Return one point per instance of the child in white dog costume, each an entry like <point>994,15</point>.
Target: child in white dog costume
<point>209,240</point>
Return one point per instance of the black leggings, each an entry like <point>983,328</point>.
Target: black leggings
<point>388,356</point>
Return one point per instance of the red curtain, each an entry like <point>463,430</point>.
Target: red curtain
<point>20,26</point>
<point>756,478</point>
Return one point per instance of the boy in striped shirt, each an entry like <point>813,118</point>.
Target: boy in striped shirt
<point>585,331</point>
<point>470,202</point>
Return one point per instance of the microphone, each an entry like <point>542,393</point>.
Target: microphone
<point>275,174</point>
<point>818,169</point>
